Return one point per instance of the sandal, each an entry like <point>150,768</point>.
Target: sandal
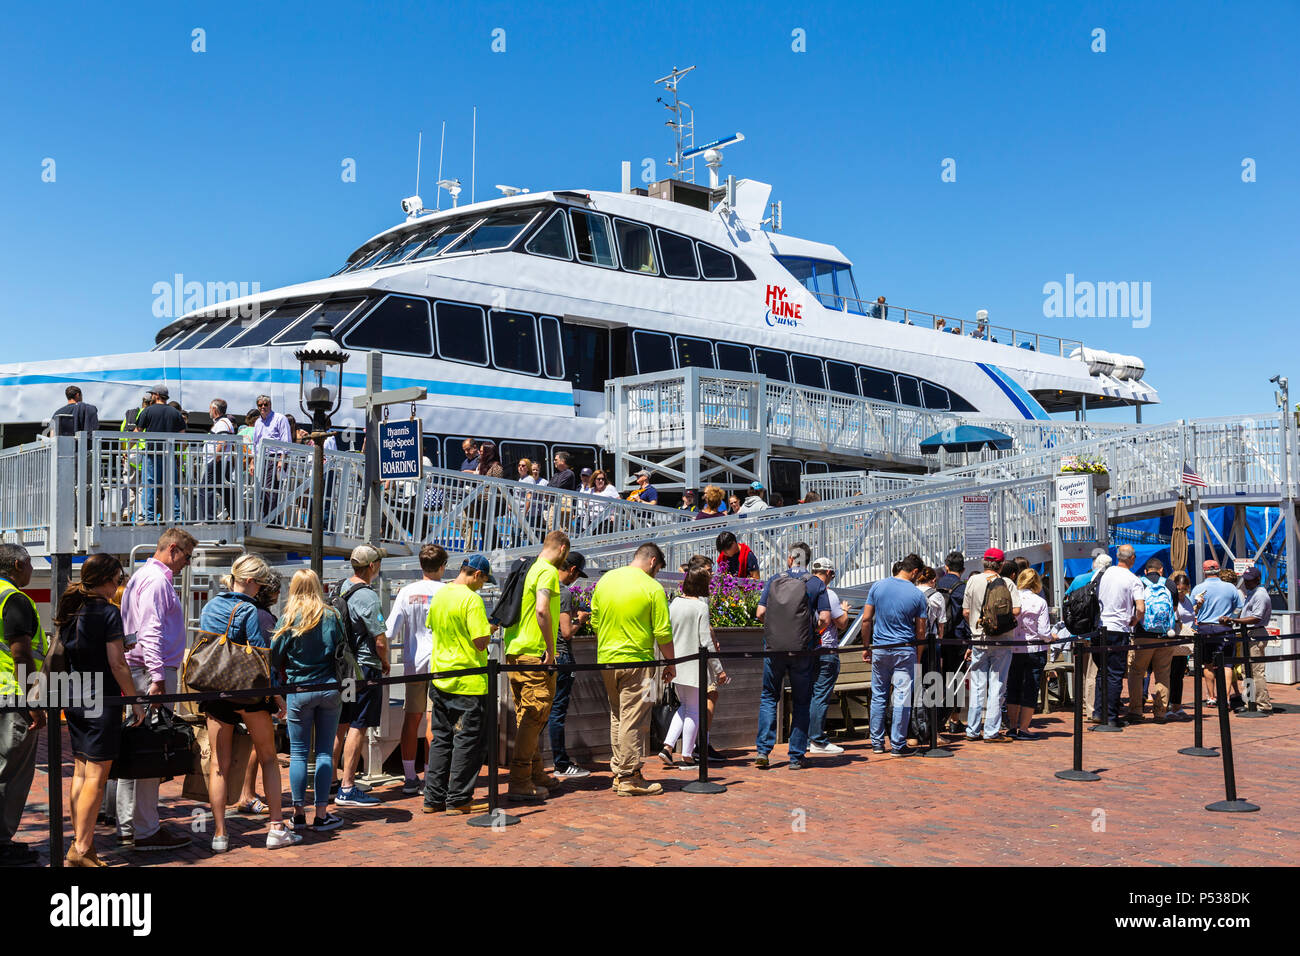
<point>253,808</point>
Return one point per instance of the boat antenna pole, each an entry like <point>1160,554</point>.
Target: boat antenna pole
<point>473,154</point>
<point>684,129</point>
<point>437,203</point>
<point>419,145</point>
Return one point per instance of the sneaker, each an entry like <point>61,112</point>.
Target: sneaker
<point>877,748</point>
<point>998,739</point>
<point>353,797</point>
<point>905,751</point>
<point>126,839</point>
<point>637,786</point>
<point>220,844</point>
<point>666,756</point>
<point>794,764</point>
<point>299,822</point>
<point>715,754</point>
<point>164,839</point>
<point>283,836</point>
<point>573,772</point>
<point>412,786</point>
<point>761,762</point>
<point>331,821</point>
<point>464,809</point>
<point>526,793</point>
<point>827,748</point>
<point>688,761</point>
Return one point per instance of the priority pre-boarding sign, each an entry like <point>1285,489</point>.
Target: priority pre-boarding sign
<point>399,450</point>
<point>1073,501</point>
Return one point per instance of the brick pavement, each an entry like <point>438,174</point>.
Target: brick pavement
<point>989,804</point>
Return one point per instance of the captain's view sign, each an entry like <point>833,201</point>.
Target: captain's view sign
<point>399,450</point>
<point>780,310</point>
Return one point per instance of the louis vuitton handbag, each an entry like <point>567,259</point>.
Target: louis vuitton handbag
<point>216,663</point>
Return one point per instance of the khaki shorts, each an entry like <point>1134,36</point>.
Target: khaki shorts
<point>417,697</point>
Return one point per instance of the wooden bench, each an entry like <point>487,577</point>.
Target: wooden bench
<point>1063,672</point>
<point>852,685</point>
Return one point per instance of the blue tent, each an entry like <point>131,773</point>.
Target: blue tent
<point>967,438</point>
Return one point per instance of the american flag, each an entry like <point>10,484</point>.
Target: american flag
<point>1192,478</point>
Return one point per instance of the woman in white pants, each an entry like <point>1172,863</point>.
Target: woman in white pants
<point>689,616</point>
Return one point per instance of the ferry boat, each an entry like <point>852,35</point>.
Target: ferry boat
<point>515,311</point>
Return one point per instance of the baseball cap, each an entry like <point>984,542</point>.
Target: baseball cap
<point>756,485</point>
<point>160,391</point>
<point>1251,574</point>
<point>823,564</point>
<point>576,560</point>
<point>476,562</point>
<point>641,472</point>
<point>585,472</point>
<point>994,554</point>
<point>1209,565</point>
<point>363,555</point>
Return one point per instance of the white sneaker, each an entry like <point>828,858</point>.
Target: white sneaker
<point>220,844</point>
<point>825,749</point>
<point>282,837</point>
<point>573,772</point>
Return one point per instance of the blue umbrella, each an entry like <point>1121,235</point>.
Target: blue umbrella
<point>967,438</point>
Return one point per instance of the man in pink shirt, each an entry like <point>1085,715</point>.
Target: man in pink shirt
<point>154,624</point>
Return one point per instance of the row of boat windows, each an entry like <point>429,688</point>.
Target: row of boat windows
<point>567,233</point>
<point>287,324</point>
<point>658,352</point>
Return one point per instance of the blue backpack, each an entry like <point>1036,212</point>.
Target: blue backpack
<point>1159,616</point>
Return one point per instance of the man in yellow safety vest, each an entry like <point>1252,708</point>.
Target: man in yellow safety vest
<point>23,646</point>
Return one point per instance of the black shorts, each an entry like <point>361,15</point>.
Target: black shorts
<point>1023,680</point>
<point>227,713</point>
<point>366,709</point>
<point>1212,644</point>
<point>95,738</point>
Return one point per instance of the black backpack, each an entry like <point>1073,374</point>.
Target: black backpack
<point>955,628</point>
<point>787,622</point>
<point>510,601</point>
<point>345,655</point>
<point>1082,607</point>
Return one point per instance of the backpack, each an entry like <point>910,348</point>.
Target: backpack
<point>510,600</point>
<point>996,617</point>
<point>956,627</point>
<point>345,655</point>
<point>787,622</point>
<point>1159,615</point>
<point>1082,607</point>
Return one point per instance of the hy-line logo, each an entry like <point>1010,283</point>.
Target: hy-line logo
<point>781,310</point>
<point>1098,300</point>
<point>179,297</point>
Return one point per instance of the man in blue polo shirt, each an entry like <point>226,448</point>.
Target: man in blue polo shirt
<point>1213,599</point>
<point>893,620</point>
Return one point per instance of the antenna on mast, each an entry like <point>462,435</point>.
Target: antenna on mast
<point>419,145</point>
<point>437,204</point>
<point>684,128</point>
<point>473,154</point>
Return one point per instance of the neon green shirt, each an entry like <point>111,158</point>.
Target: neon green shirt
<point>525,636</point>
<point>456,617</point>
<point>629,612</point>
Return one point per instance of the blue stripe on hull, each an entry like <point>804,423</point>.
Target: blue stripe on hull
<point>1023,401</point>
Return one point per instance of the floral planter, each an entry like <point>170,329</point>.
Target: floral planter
<point>1101,481</point>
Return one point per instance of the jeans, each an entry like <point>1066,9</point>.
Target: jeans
<point>18,739</point>
<point>319,711</point>
<point>988,685</point>
<point>137,800</point>
<point>459,744</point>
<point>828,671</point>
<point>560,710</point>
<point>154,465</point>
<point>775,671</point>
<point>894,666</point>
<point>1116,667</point>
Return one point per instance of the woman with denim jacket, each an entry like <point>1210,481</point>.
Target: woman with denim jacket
<point>305,642</point>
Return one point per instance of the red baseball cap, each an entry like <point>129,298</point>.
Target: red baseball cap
<point>994,554</point>
<point>1209,565</point>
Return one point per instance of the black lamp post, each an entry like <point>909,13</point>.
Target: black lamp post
<point>319,396</point>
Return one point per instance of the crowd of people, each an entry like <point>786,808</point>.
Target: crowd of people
<point>130,636</point>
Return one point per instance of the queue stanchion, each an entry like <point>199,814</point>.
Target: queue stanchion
<point>54,777</point>
<point>703,784</point>
<point>1243,642</point>
<point>495,817</point>
<point>1076,772</point>
<point>1198,748</point>
<point>932,711</point>
<point>1230,803</point>
<point>1103,676</point>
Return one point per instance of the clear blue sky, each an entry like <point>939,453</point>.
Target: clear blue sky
<point>1115,166</point>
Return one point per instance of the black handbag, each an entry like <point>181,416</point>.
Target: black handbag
<point>661,716</point>
<point>160,746</point>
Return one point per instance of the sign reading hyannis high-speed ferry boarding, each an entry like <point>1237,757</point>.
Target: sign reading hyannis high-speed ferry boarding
<point>399,450</point>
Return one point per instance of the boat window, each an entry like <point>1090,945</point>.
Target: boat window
<point>399,324</point>
<point>224,334</point>
<point>934,396</point>
<point>552,352</point>
<point>783,478</point>
<point>816,468</point>
<point>909,391</point>
<point>461,335</point>
<point>513,451</point>
<point>808,371</point>
<point>714,263</point>
<point>846,288</point>
<point>366,261</point>
<point>841,377</point>
<point>654,351</point>
<point>734,358</point>
<point>772,363</point>
<point>514,341</point>
<point>452,452</point>
<point>678,256</point>
<point>552,239</point>
<point>591,236</point>
<point>497,231</point>
<point>878,384</point>
<point>636,249</point>
<point>187,338</point>
<point>402,248</point>
<point>694,352</point>
<point>168,343</point>
<point>272,324</point>
<point>958,404</point>
<point>823,284</point>
<point>453,231</point>
<point>581,456</point>
<point>586,356</point>
<point>801,269</point>
<point>334,312</point>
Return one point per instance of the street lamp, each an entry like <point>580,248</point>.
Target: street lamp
<point>319,396</point>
